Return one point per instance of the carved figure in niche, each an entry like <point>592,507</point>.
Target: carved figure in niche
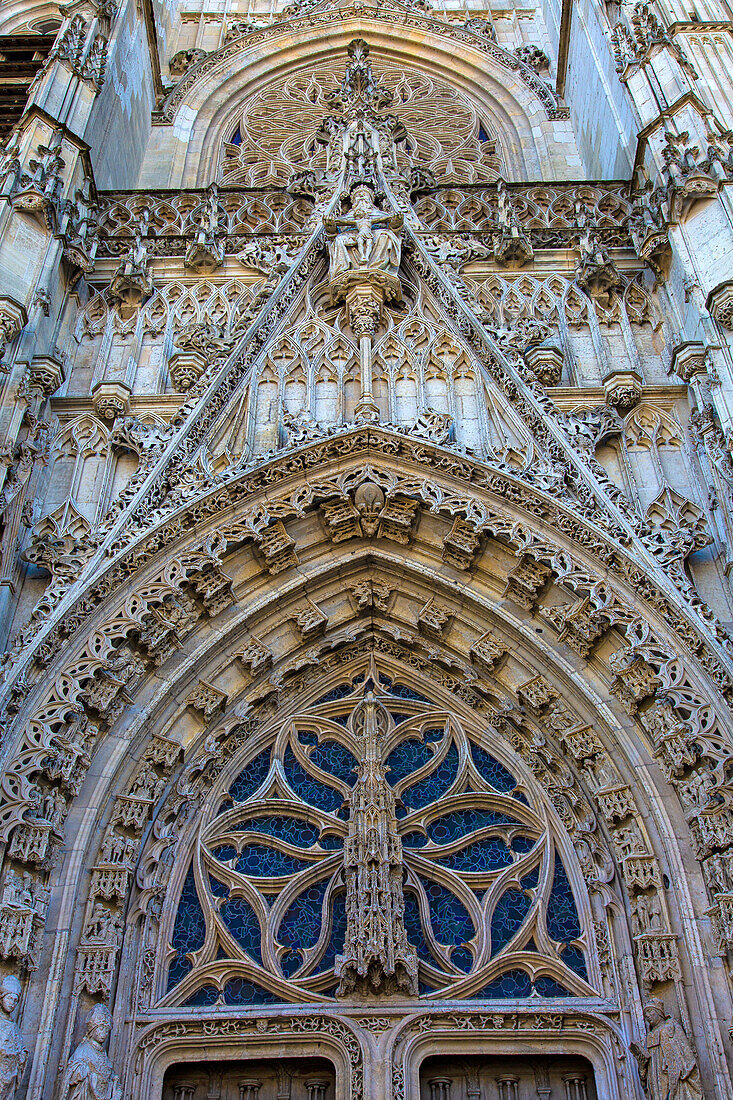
<point>13,1053</point>
<point>368,238</point>
<point>89,1074</point>
<point>667,1064</point>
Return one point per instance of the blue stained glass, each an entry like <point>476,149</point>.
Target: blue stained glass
<point>293,829</point>
<point>240,991</point>
<point>338,934</point>
<point>562,916</point>
<point>574,958</point>
<point>430,788</point>
<point>484,855</point>
<point>508,917</point>
<point>492,771</point>
<point>548,987</point>
<point>331,842</point>
<point>189,930</point>
<point>523,844</point>
<point>251,777</point>
<point>402,691</point>
<point>258,860</point>
<point>413,928</point>
<point>513,983</point>
<point>453,826</point>
<point>333,757</point>
<point>451,923</point>
<point>224,852</point>
<point>218,889</point>
<point>408,757</point>
<point>462,958</point>
<point>414,840</point>
<point>301,925</point>
<point>241,920</point>
<point>530,880</point>
<point>335,693</point>
<point>205,996</point>
<point>521,798</point>
<point>398,718</point>
<point>310,790</point>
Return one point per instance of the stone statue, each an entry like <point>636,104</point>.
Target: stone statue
<point>366,239</point>
<point>13,1053</point>
<point>667,1063</point>
<point>89,1074</point>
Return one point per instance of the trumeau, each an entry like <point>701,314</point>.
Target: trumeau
<point>367,514</point>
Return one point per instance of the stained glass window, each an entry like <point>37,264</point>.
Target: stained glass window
<point>489,910</point>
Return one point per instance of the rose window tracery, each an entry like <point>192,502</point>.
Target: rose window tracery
<point>258,151</point>
<point>376,842</point>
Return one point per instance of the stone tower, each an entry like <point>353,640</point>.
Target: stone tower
<point>366,550</point>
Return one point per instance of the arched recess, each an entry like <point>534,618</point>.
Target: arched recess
<point>516,615</point>
<point>20,16</point>
<point>204,105</point>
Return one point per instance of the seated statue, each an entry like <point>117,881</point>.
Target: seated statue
<point>367,240</point>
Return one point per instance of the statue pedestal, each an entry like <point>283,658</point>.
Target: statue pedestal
<point>365,291</point>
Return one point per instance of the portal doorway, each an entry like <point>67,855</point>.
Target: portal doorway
<point>511,1077</point>
<point>272,1079</point>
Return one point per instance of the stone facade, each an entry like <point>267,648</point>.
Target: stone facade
<point>366,550</point>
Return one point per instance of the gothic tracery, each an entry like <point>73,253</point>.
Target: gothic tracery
<point>366,525</point>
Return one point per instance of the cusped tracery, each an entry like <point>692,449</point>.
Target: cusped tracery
<point>268,910</point>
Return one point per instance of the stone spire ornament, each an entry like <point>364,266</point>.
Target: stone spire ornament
<point>377,957</point>
<point>361,139</point>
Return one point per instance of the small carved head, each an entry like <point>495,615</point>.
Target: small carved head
<point>10,990</point>
<point>362,197</point>
<point>99,1024</point>
<point>654,1012</point>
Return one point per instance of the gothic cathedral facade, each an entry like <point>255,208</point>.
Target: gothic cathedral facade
<point>366,558</point>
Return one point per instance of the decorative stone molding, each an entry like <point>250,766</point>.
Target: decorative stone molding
<point>276,548</point>
<point>371,595</point>
<point>111,400</point>
<point>433,619</point>
<point>45,374</point>
<point>525,582</point>
<point>461,545</point>
<point>310,621</point>
<point>186,367</point>
<point>255,657</point>
<point>487,651</point>
<point>13,318</point>
<point>720,304</point>
<point>546,361</point>
<point>207,700</point>
<point>690,361</point>
<point>623,389</point>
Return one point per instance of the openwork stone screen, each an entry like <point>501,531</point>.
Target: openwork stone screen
<point>488,910</point>
<point>281,129</point>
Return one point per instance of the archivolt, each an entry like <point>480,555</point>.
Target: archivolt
<point>215,88</point>
<point>230,614</point>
